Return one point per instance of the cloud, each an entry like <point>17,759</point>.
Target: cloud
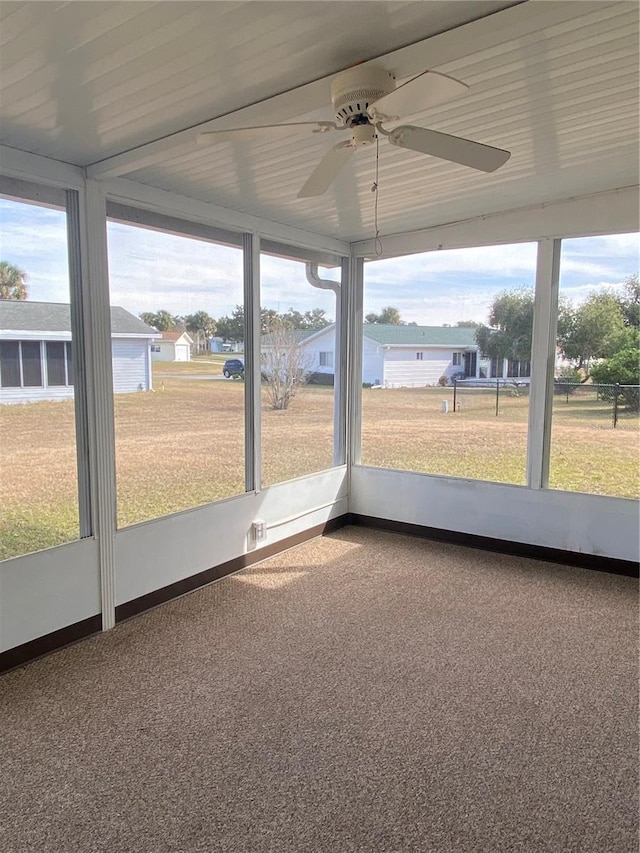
<point>150,270</point>
<point>435,288</point>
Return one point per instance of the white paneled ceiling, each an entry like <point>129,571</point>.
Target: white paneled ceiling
<point>96,84</point>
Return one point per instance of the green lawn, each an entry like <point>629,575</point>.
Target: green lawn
<point>183,445</point>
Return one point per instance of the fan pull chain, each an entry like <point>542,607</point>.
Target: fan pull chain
<point>374,189</point>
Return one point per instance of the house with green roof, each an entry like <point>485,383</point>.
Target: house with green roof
<point>402,356</point>
<point>36,357</point>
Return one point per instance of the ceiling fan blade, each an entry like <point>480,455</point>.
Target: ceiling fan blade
<point>260,131</point>
<point>446,147</point>
<point>327,170</point>
<point>421,93</point>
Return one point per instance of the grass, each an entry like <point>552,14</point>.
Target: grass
<point>184,446</point>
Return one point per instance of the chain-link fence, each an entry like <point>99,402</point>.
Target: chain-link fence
<point>616,401</point>
<point>499,396</point>
<point>486,395</point>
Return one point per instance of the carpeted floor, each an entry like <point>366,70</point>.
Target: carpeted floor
<point>364,692</point>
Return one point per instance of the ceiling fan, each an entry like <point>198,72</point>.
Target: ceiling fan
<point>365,98</point>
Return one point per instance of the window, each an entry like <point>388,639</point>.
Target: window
<point>518,369</point>
<point>183,446</point>
<point>595,425</point>
<point>21,364</point>
<point>31,364</point>
<point>419,356</point>
<point>39,482</point>
<point>10,364</point>
<point>470,328</point>
<point>58,363</point>
<point>297,401</point>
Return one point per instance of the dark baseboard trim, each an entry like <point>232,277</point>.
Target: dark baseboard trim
<point>501,546</point>
<point>20,655</point>
<point>23,654</point>
<point>166,593</point>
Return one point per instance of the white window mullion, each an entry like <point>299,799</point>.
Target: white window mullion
<point>252,391</point>
<point>20,365</point>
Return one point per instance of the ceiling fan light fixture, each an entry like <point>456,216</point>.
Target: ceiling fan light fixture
<point>354,90</point>
<point>363,134</point>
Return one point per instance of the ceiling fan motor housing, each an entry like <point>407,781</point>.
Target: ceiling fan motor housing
<point>354,90</point>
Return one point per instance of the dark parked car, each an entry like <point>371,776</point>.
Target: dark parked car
<point>233,367</point>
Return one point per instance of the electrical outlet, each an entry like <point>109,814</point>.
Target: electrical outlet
<point>259,530</point>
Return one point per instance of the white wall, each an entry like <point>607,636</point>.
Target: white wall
<point>130,365</point>
<point>171,351</point>
<point>155,554</point>
<point>43,592</point>
<point>34,395</point>
<point>324,342</point>
<point>403,369</point>
<point>372,362</point>
<point>586,524</point>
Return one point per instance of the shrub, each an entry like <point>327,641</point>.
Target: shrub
<point>567,380</point>
<point>623,368</point>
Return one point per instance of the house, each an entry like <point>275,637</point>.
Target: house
<point>36,360</point>
<point>401,356</point>
<point>172,346</point>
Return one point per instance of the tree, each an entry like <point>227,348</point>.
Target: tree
<point>202,326</point>
<point>595,330</point>
<point>285,364</point>
<point>13,282</point>
<point>316,318</point>
<point>311,320</point>
<point>630,302</point>
<point>468,324</point>
<point>389,316</point>
<point>232,328</point>
<point>510,328</point>
<point>622,368</point>
<point>163,321</point>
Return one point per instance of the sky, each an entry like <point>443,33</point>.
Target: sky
<point>150,271</point>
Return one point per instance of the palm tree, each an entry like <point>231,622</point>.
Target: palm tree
<point>13,282</point>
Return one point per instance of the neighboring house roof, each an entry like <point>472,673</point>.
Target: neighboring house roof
<point>446,336</point>
<point>174,337</point>
<point>388,335</point>
<point>56,317</point>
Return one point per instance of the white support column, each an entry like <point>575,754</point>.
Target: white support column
<point>252,372</point>
<point>97,318</point>
<point>354,358</point>
<point>543,352</point>
<point>80,355</point>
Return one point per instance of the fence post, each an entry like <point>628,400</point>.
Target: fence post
<point>616,392</point>
<point>497,395</point>
<point>455,388</point>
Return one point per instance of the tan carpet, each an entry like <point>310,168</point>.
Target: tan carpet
<point>362,692</point>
